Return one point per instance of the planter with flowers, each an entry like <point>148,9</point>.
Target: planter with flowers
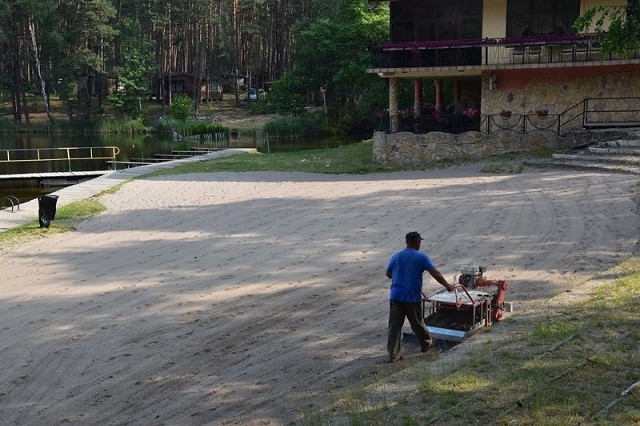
<point>542,113</point>
<point>542,120</point>
<point>505,114</point>
<point>470,112</point>
<point>470,120</point>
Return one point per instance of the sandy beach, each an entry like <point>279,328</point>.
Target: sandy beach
<point>252,298</point>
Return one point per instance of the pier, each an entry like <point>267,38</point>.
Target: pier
<point>70,154</point>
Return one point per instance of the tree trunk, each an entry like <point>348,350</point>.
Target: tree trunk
<point>16,89</point>
<point>36,55</point>
<point>25,108</point>
<point>235,49</point>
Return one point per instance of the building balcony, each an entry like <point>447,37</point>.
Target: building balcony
<point>450,57</point>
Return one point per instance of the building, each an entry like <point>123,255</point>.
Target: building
<point>174,84</point>
<point>503,64</point>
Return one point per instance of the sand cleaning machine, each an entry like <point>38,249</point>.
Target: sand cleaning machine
<point>474,303</point>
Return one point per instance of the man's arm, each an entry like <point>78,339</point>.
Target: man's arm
<point>440,278</point>
<point>388,274</point>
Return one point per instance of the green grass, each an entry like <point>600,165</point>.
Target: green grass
<point>347,159</point>
<point>67,216</point>
<point>355,158</point>
<point>566,368</point>
<point>129,127</point>
<point>189,127</point>
<point>79,209</point>
<point>513,163</point>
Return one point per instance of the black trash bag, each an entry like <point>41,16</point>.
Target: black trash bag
<point>47,209</point>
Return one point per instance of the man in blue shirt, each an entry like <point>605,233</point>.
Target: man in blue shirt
<point>405,270</point>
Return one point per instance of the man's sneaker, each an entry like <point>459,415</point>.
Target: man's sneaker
<point>392,360</point>
<point>429,345</point>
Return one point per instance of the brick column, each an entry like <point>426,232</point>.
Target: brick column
<point>394,124</point>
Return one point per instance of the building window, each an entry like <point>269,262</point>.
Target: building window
<point>541,17</point>
<point>177,86</point>
<point>414,20</point>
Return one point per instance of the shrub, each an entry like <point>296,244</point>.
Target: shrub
<point>200,128</point>
<point>308,125</point>
<point>182,107</point>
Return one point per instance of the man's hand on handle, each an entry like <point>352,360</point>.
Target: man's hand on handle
<point>440,278</point>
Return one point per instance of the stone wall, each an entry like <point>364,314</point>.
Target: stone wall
<point>405,148</point>
<point>523,91</point>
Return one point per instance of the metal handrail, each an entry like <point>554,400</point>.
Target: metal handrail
<point>12,200</point>
<point>523,123</point>
<point>572,115</point>
<point>611,111</point>
<point>40,154</point>
<point>514,122</point>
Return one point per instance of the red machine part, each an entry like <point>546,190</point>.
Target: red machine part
<point>501,285</point>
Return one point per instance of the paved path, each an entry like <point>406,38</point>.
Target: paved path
<point>29,211</point>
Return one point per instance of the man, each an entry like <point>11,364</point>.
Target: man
<point>405,270</point>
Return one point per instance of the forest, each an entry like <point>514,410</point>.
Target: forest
<point>90,54</point>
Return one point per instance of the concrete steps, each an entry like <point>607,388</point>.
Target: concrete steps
<point>619,155</point>
<point>607,158</point>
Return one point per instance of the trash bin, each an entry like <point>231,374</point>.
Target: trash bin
<point>47,209</point>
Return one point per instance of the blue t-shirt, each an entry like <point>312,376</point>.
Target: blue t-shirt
<point>406,267</point>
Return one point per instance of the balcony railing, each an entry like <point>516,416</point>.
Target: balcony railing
<point>431,122</point>
<point>587,114</point>
<point>489,51</point>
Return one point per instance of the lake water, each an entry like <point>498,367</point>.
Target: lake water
<point>131,147</point>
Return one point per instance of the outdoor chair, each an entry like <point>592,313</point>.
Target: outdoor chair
<point>533,54</point>
<point>517,54</point>
<point>594,52</point>
<point>567,51</point>
<point>581,52</point>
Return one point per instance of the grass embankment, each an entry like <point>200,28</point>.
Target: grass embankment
<point>569,367</point>
<point>353,158</point>
<point>67,216</point>
<point>577,366</point>
<point>347,159</point>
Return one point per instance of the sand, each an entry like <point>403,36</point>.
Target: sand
<point>253,298</point>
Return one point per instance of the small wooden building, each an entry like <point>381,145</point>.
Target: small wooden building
<point>187,84</point>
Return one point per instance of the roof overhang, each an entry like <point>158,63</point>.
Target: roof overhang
<point>443,72</point>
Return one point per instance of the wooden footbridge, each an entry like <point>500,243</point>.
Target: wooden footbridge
<point>160,158</point>
<point>72,156</point>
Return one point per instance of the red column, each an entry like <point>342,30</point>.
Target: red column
<point>438,105</point>
<point>417,97</point>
